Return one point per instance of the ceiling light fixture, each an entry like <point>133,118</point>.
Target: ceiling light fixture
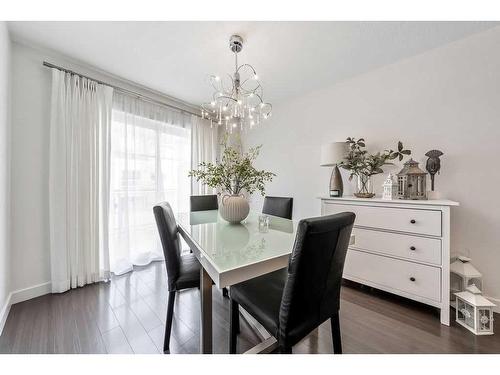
<point>239,102</point>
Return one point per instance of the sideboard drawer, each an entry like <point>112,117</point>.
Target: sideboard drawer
<point>394,274</point>
<point>420,249</point>
<point>398,219</point>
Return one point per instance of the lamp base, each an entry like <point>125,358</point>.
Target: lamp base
<point>336,184</point>
<point>335,194</point>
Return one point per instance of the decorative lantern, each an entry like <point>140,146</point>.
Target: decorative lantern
<point>462,275</point>
<point>474,312</point>
<point>390,188</point>
<point>411,181</point>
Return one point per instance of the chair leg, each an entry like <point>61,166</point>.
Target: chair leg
<point>168,323</point>
<point>336,336</point>
<point>285,350</point>
<point>225,293</point>
<point>234,325</point>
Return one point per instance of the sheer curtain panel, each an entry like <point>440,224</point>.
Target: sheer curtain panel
<point>205,143</point>
<point>150,161</point>
<point>79,180</point>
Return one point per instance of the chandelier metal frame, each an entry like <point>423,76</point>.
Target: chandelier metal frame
<point>239,104</point>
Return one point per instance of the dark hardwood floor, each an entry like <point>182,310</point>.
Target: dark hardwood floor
<point>127,315</point>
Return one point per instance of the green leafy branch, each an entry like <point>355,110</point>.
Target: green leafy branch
<point>234,172</point>
<point>359,162</point>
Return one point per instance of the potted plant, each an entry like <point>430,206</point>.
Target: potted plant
<point>231,175</point>
<point>363,165</point>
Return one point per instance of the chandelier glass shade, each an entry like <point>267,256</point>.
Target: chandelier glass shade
<point>237,101</point>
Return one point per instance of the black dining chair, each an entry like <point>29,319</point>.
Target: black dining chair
<point>204,202</point>
<point>183,271</point>
<point>278,206</point>
<point>293,301</point>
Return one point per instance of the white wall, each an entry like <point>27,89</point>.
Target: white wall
<point>447,98</point>
<point>29,170</point>
<point>4,168</point>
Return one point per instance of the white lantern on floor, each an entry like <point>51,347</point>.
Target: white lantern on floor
<point>474,312</point>
<point>463,274</point>
<point>390,188</point>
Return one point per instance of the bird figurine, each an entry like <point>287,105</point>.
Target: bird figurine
<point>433,164</point>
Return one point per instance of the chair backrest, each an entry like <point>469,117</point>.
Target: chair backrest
<point>278,206</point>
<point>204,202</point>
<point>312,291</point>
<point>170,241</point>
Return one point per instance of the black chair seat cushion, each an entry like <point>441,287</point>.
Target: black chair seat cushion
<point>261,298</point>
<point>189,272</point>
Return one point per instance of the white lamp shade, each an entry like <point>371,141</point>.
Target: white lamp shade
<point>333,153</point>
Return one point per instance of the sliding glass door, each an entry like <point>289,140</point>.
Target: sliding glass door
<point>150,160</point>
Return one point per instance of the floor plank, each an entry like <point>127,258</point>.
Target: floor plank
<point>135,333</point>
<point>116,342</point>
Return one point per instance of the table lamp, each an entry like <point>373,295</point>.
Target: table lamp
<point>331,155</point>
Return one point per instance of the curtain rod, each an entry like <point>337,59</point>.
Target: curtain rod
<point>125,91</point>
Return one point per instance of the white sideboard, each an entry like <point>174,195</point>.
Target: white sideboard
<point>401,246</point>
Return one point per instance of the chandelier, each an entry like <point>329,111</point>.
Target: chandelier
<point>237,102</point>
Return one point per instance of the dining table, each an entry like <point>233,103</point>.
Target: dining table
<point>232,253</point>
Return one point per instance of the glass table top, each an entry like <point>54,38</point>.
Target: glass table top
<point>231,246</point>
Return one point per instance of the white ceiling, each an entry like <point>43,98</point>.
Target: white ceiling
<point>291,57</point>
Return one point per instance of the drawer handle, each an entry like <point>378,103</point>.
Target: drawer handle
<point>412,248</point>
<point>412,278</point>
<point>412,221</point>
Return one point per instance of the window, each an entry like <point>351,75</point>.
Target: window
<point>150,160</point>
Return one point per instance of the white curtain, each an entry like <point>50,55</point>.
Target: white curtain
<point>79,180</point>
<point>204,149</point>
<point>150,161</point>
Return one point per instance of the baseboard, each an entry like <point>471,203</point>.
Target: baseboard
<point>4,312</point>
<point>34,291</point>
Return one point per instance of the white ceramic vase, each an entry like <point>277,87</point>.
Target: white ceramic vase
<point>234,208</point>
